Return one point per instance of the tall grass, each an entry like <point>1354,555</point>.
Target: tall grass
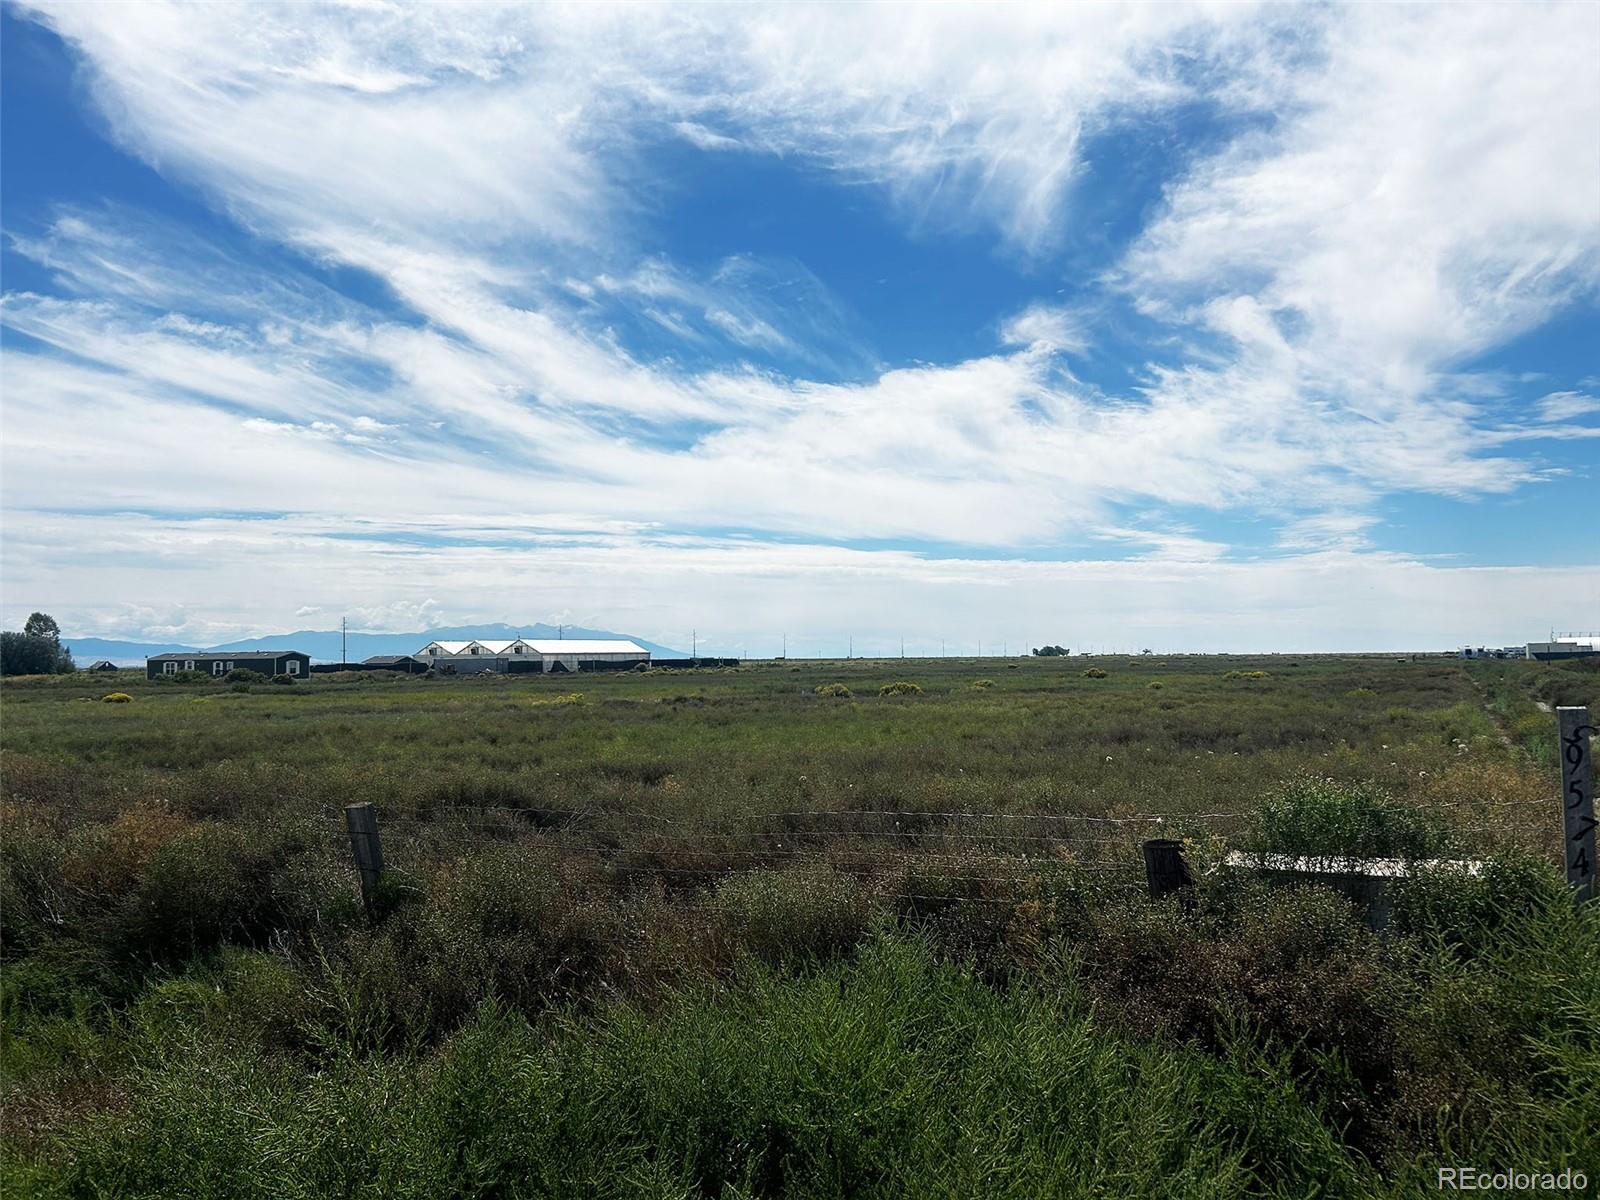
<point>714,933</point>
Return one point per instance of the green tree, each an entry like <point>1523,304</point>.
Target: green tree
<point>37,650</point>
<point>24,654</point>
<point>43,625</point>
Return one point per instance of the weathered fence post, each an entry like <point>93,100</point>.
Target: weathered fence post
<point>1164,868</point>
<point>1577,799</point>
<point>362,822</point>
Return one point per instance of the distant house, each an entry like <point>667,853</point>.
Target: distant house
<point>105,664</point>
<point>520,655</point>
<point>396,662</point>
<point>269,662</point>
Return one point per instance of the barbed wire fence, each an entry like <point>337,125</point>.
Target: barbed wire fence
<point>932,856</point>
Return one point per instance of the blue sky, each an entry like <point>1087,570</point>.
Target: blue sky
<point>1199,328</point>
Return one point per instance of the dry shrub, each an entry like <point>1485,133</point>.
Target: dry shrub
<point>33,898</point>
<point>806,912</point>
<point>116,698</point>
<point>108,860</point>
<point>1297,965</point>
<point>207,885</point>
<point>1510,807</point>
<point>506,923</point>
<point>37,779</point>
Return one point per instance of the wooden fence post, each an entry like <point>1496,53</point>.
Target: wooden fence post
<point>362,822</point>
<point>1577,799</point>
<point>1164,868</point>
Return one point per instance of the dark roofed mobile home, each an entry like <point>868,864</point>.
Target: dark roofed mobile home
<point>396,662</point>
<point>219,663</point>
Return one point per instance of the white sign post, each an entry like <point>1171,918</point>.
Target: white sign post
<point>1577,799</point>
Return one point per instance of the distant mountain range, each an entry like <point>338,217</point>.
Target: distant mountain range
<point>323,644</point>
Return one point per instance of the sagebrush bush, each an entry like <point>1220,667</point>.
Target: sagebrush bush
<point>499,924</point>
<point>1311,815</point>
<point>983,684</point>
<point>807,912</point>
<point>104,863</point>
<point>34,895</point>
<point>1095,673</point>
<point>116,698</point>
<point>903,687</point>
<point>283,678</point>
<point>244,675</point>
<point>838,690</point>
<point>1246,675</point>
<point>206,885</point>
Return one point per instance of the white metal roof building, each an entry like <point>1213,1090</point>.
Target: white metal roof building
<point>519,654</point>
<point>1566,645</point>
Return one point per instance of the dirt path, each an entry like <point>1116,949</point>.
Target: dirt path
<point>1494,717</point>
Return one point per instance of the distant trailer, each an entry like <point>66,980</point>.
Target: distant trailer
<point>269,662</point>
<point>408,663</point>
<point>105,664</point>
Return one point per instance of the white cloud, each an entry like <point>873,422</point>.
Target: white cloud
<point>398,616</point>
<point>1431,191</point>
<point>1564,406</point>
<point>744,597</point>
<point>1418,184</point>
<point>1329,531</point>
<point>493,119</point>
<point>1048,327</point>
<point>706,139</point>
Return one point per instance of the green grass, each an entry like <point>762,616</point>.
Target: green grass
<point>757,739</point>
<point>651,933</point>
<point>1517,688</point>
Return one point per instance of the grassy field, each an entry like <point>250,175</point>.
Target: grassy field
<point>726,933</point>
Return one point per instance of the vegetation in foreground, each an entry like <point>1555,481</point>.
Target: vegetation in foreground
<point>557,998</point>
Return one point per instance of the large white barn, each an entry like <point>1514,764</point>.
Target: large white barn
<point>520,654</point>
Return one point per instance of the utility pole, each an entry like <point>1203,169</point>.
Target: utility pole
<point>786,646</point>
<point>851,652</point>
<point>902,647</point>
<point>694,643</point>
<point>941,647</point>
<point>344,656</point>
<point>561,633</point>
